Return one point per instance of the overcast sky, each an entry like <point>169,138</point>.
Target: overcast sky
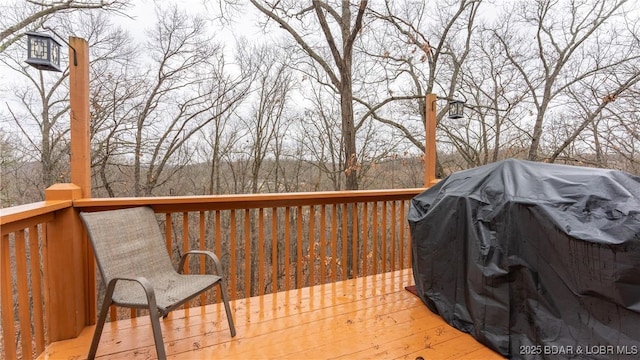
<point>143,17</point>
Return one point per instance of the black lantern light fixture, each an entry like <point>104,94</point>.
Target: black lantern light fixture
<point>456,109</point>
<point>43,52</point>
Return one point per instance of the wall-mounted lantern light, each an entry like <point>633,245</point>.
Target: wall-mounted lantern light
<point>43,52</point>
<point>456,109</point>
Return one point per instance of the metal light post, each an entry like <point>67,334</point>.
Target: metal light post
<point>456,111</point>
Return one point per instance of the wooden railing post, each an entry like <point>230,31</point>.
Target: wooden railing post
<point>80,125</point>
<point>65,257</point>
<point>430,141</point>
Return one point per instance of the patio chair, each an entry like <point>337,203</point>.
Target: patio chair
<point>137,271</point>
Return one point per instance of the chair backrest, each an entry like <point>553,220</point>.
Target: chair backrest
<point>127,242</point>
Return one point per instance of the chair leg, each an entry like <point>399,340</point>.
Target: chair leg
<point>106,302</point>
<point>154,316</point>
<point>157,333</point>
<point>227,308</point>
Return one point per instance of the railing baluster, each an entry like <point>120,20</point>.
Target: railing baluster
<point>312,245</point>
<point>374,238</point>
<point>218,240</point>
<point>45,264</point>
<point>202,245</point>
<point>23,294</point>
<point>354,241</point>
<point>403,225</point>
<point>36,291</point>
<point>247,253</point>
<point>274,250</point>
<point>394,235</point>
<point>185,243</point>
<point>323,243</point>
<point>185,248</point>
<point>299,246</point>
<point>334,242</point>
<point>345,239</point>
<point>169,243</point>
<point>169,233</point>
<point>409,246</point>
<point>232,242</point>
<point>6,298</point>
<point>287,247</point>
<point>383,238</point>
<point>365,237</point>
<point>261,261</point>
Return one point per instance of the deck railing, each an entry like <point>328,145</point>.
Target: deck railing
<point>22,263</point>
<point>267,243</point>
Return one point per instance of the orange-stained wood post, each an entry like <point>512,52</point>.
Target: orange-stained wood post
<point>65,282</point>
<point>81,150</point>
<point>430,141</point>
<point>80,124</point>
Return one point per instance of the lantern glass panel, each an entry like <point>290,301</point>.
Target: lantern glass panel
<point>38,48</point>
<point>55,54</point>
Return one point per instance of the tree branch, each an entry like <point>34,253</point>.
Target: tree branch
<point>327,34</point>
<point>334,79</point>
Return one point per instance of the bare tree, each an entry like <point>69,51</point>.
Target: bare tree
<point>114,93</point>
<point>218,141</point>
<point>425,49</point>
<point>320,139</point>
<point>490,130</point>
<point>180,98</point>
<point>299,20</point>
<point>268,118</point>
<point>47,111</point>
<point>11,164</point>
<point>37,109</point>
<point>561,32</point>
<point>32,14</point>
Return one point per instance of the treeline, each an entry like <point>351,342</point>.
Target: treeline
<point>330,96</point>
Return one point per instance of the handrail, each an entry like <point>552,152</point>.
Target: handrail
<point>246,201</point>
<point>20,217</point>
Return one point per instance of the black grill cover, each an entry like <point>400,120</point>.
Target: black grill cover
<point>534,260</point>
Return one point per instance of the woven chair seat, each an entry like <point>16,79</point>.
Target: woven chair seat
<point>169,288</point>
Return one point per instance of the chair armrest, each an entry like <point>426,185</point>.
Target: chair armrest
<point>209,254</point>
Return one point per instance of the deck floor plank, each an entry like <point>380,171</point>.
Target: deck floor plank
<point>366,318</point>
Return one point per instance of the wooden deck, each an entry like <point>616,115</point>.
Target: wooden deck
<point>366,318</point>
